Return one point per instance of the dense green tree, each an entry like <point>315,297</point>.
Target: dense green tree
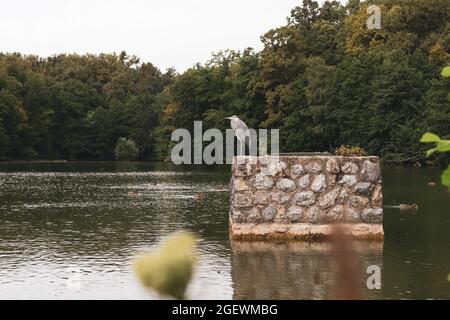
<point>324,79</point>
<point>126,150</point>
<point>76,107</point>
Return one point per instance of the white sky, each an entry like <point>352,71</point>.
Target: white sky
<point>168,33</point>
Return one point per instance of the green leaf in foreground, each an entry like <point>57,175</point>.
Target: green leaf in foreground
<point>430,137</point>
<point>443,146</point>
<point>445,177</point>
<point>168,268</point>
<point>431,151</point>
<point>446,72</point>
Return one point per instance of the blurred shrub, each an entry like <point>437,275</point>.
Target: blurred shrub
<point>168,268</point>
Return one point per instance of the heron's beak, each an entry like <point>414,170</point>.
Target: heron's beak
<point>229,118</point>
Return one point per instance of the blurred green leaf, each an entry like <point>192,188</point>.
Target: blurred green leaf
<point>446,72</point>
<point>431,151</point>
<point>443,146</point>
<point>430,137</point>
<point>445,177</point>
<point>168,269</point>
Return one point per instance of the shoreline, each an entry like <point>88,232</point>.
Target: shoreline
<point>383,163</point>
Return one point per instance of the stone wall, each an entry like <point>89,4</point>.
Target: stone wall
<point>303,196</point>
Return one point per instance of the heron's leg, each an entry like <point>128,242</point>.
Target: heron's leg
<point>240,146</point>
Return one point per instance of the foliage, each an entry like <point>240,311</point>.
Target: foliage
<point>446,72</point>
<point>126,150</point>
<point>75,107</point>
<point>324,79</point>
<point>168,268</point>
<point>441,145</point>
<point>348,151</point>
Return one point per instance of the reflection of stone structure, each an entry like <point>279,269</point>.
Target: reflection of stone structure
<point>297,270</point>
<point>301,196</point>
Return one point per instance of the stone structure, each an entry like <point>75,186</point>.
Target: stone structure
<point>302,196</point>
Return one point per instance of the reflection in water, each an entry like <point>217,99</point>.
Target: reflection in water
<point>74,218</point>
<point>295,270</point>
<point>57,216</point>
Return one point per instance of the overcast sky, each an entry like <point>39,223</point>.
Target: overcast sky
<point>168,33</point>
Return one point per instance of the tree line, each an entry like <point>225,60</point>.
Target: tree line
<point>324,79</point>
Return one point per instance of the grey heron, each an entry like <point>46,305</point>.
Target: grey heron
<point>240,130</point>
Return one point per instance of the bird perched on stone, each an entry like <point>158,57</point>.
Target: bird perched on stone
<point>241,131</point>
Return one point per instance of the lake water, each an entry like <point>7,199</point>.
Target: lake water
<point>71,230</point>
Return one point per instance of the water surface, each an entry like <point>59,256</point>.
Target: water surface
<point>88,220</point>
